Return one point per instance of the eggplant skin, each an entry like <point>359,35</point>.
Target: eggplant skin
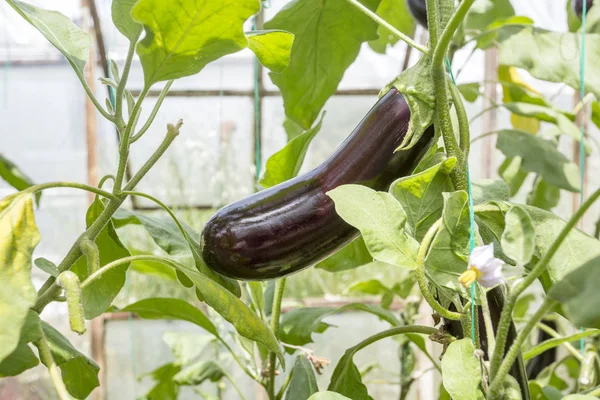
<point>578,6</point>
<point>294,225</point>
<point>418,9</point>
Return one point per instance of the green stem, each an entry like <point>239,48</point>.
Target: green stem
<point>515,348</point>
<point>408,40</point>
<point>432,23</point>
<point>55,375</point>
<point>124,145</point>
<point>275,314</point>
<point>123,81</point>
<point>284,387</point>
<point>238,361</point>
<point>235,386</point>
<point>92,96</point>
<point>422,279</point>
<point>463,120</point>
<point>535,273</point>
<point>157,106</point>
<point>487,320</point>
<point>82,186</point>
<point>92,255</point>
<point>554,334</point>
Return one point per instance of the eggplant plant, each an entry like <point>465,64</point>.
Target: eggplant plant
<point>397,192</point>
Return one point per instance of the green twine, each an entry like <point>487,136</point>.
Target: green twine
<point>471,223</point>
<point>582,136</point>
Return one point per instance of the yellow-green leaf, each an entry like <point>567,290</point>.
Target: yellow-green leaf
<point>272,48</point>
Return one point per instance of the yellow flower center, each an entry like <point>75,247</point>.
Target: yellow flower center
<point>469,276</point>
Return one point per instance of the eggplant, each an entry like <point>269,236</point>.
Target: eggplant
<point>538,363</point>
<point>294,225</point>
<point>578,6</point>
<point>495,298</point>
<point>418,9</point>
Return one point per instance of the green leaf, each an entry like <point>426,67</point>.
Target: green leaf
<point>18,237</point>
<point>298,324</point>
<point>416,86</point>
<point>543,195</point>
<point>522,305</point>
<point>246,322</point>
<point>470,91</point>
<point>199,372</point>
<point>573,22</point>
<point>292,129</point>
<point>304,382</point>
<point>167,308</point>
<point>555,342</point>
<point>550,163</point>
<point>46,266</point>
<point>550,56</point>
<point>286,163</point>
<point>256,291</point>
<point>98,296</point>
<point>490,190</point>
<point>578,293</point>
<point>461,371</point>
<point>79,373</point>
<point>166,234</point>
<point>448,254</point>
<point>327,396</point>
<point>485,12</point>
<point>165,387</point>
<point>420,196</point>
<point>15,177</point>
<point>181,40</point>
<point>518,238</point>
<point>272,48</point>
<point>186,346</point>
<point>512,174</point>
<point>396,13</point>
<point>353,255</point>
<point>121,16</point>
<point>328,36</point>
<point>381,221</point>
<point>20,360</point>
<point>60,31</point>
<point>346,378</point>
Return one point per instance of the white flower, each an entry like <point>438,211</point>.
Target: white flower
<point>483,267</point>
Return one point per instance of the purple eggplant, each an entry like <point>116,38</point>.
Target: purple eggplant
<point>578,6</point>
<point>294,225</point>
<point>418,9</point>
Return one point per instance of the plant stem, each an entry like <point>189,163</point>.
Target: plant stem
<point>422,280</point>
<point>82,186</point>
<point>123,81</point>
<point>515,348</point>
<point>463,121</point>
<point>407,39</point>
<point>574,352</point>
<point>159,101</point>
<point>55,375</point>
<point>284,387</point>
<point>275,314</point>
<point>92,255</point>
<point>238,361</point>
<point>535,273</point>
<point>92,96</point>
<point>235,386</point>
<point>487,320</point>
<point>432,23</point>
<point>426,330</point>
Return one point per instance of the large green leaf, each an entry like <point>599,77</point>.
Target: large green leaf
<point>59,30</point>
<point>485,12</point>
<point>272,48</point>
<point>548,162</point>
<point>346,378</point>
<point>518,238</point>
<point>396,13</point>
<point>98,296</point>
<point>448,254</point>
<point>167,308</point>
<point>461,371</point>
<point>381,221</point>
<point>328,36</point>
<point>490,190</point>
<point>304,382</point>
<point>121,16</point>
<point>286,163</point>
<point>543,195</point>
<point>550,56</point>
<point>166,234</point>
<point>23,358</point>
<point>421,196</point>
<point>298,324</point>
<point>199,372</point>
<point>18,237</point>
<point>15,177</point>
<point>353,255</point>
<point>79,373</point>
<point>579,295</point>
<point>181,40</point>
<point>511,172</point>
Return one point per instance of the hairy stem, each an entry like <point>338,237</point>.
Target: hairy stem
<point>275,314</point>
<point>92,96</point>
<point>422,279</point>
<point>82,186</point>
<point>92,255</point>
<point>535,273</point>
<point>463,121</point>
<point>554,334</point>
<point>515,348</point>
<point>123,81</point>
<point>159,101</point>
<point>55,375</point>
